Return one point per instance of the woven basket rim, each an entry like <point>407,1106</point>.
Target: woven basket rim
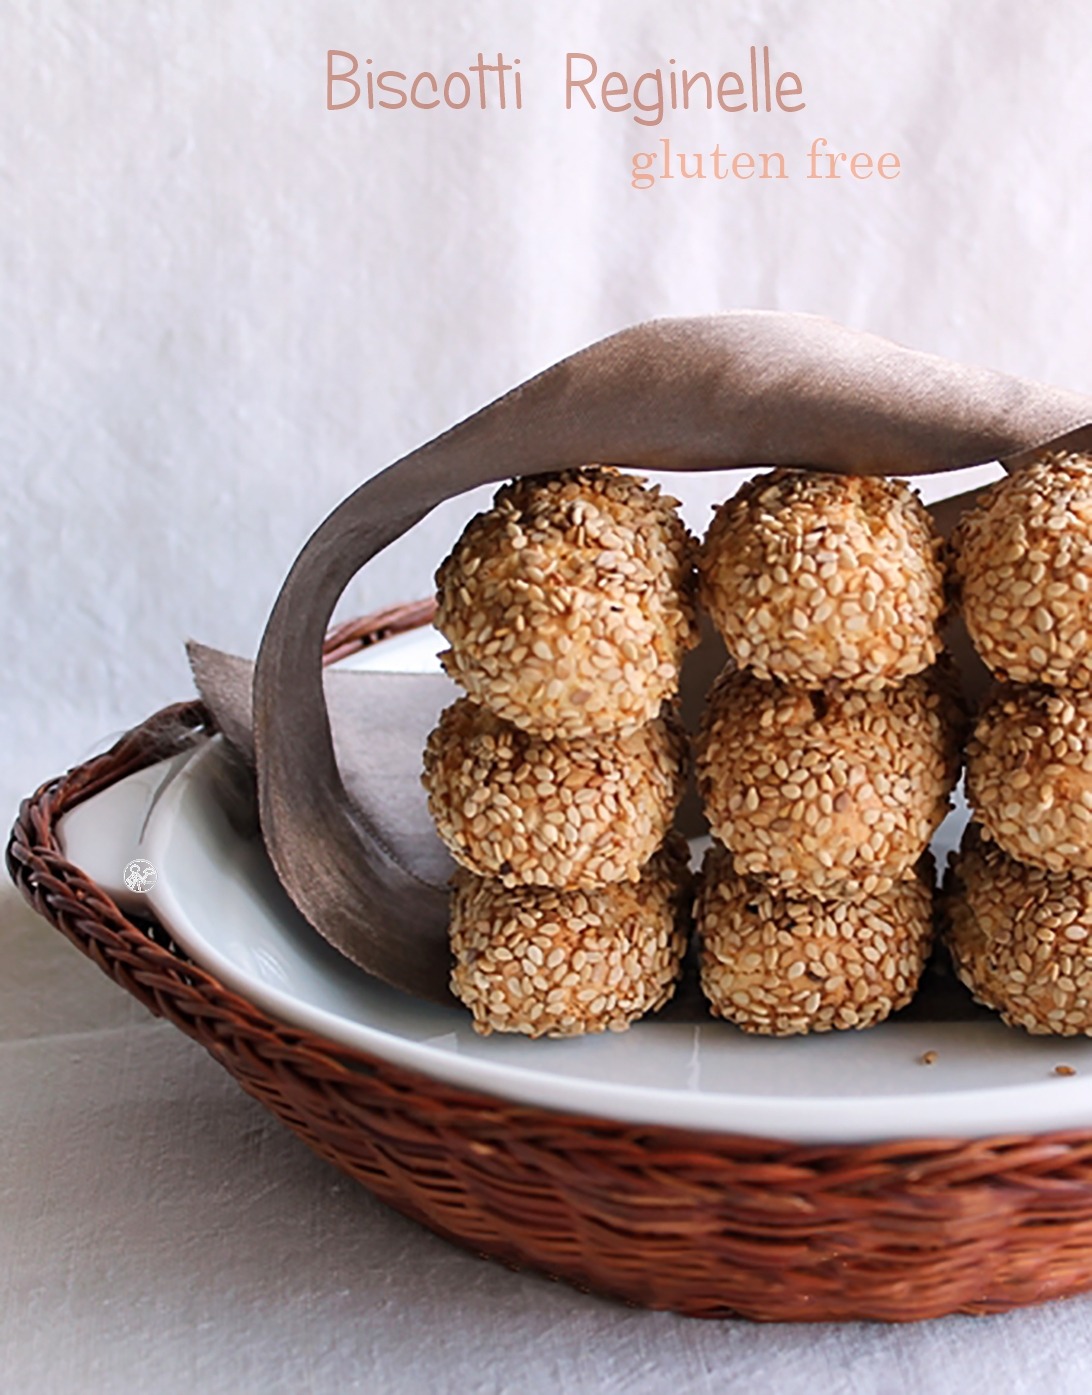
<point>705,1224</point>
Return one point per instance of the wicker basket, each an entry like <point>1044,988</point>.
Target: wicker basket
<point>709,1225</point>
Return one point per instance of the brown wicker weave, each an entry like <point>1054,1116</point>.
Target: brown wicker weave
<point>705,1224</point>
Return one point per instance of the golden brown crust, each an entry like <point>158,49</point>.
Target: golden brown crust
<point>832,794</point>
<point>812,578</point>
<point>1021,938</point>
<point>1029,775</point>
<point>1022,564</point>
<point>563,963</point>
<point>569,603</point>
<point>781,966</point>
<point>566,813</point>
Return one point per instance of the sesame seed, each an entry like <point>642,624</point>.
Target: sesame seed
<point>1025,550</point>
<point>758,946</point>
<point>766,751</point>
<point>1026,775</point>
<point>608,625</point>
<point>583,977</point>
<point>878,580</point>
<point>1000,919</point>
<point>564,813</point>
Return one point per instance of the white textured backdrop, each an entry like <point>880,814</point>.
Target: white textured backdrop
<point>221,307</point>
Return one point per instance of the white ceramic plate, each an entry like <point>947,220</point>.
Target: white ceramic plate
<point>219,897</point>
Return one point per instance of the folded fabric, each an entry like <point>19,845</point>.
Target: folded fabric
<point>744,389</point>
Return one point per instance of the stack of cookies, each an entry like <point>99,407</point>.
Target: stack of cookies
<point>1019,893</point>
<point>568,606</point>
<point>828,752</point>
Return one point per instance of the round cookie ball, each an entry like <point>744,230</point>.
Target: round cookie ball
<point>569,604</point>
<point>581,812</point>
<point>780,966</point>
<point>833,793</point>
<point>1021,938</point>
<point>815,577</point>
<point>1029,775</point>
<point>561,963</point>
<point>1022,563</point>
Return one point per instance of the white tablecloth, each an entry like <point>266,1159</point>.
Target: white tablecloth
<point>161,1233</point>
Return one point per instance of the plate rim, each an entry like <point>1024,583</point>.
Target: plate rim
<point>797,1119</point>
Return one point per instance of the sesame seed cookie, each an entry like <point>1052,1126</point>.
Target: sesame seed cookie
<point>563,963</point>
<point>781,966</point>
<point>1021,937</point>
<point>569,604</point>
<point>572,813</point>
<point>812,578</point>
<point>1029,775</point>
<point>832,793</point>
<point>1022,564</point>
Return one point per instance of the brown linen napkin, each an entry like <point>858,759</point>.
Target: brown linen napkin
<point>743,389</point>
<point>380,723</point>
